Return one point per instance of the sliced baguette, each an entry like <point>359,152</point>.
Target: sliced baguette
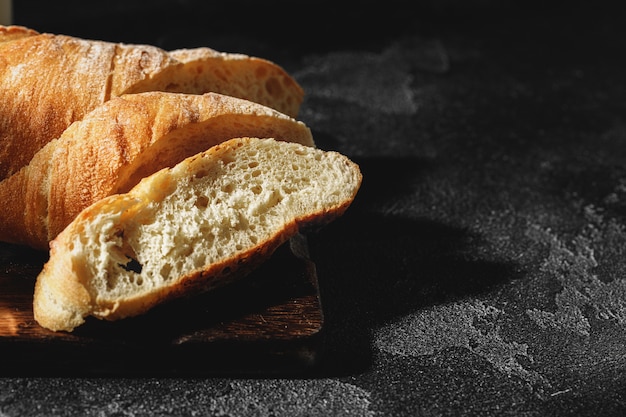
<point>116,145</point>
<point>48,81</point>
<point>199,225</point>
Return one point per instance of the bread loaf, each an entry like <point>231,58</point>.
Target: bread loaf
<point>117,144</point>
<point>208,220</point>
<point>48,81</point>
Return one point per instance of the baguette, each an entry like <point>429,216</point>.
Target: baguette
<point>48,81</point>
<point>207,221</point>
<point>117,144</point>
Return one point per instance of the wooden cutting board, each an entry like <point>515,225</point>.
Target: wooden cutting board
<point>270,321</point>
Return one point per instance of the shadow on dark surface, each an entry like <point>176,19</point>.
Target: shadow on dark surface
<point>375,267</point>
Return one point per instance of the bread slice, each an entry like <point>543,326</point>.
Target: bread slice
<point>117,144</point>
<point>210,219</point>
<point>49,81</point>
<point>204,69</point>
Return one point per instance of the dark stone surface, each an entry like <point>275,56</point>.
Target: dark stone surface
<point>481,269</point>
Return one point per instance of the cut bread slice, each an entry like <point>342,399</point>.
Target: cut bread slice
<point>204,69</point>
<point>210,219</point>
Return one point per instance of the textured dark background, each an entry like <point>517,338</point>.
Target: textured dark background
<point>481,269</point>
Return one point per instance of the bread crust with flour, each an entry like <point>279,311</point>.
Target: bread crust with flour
<point>49,81</point>
<point>208,220</point>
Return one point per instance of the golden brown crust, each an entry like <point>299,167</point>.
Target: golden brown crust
<point>48,81</point>
<point>10,33</point>
<point>119,143</point>
<point>51,295</point>
<point>39,104</point>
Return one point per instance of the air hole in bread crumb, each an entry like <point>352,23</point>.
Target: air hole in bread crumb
<point>256,173</point>
<point>209,238</point>
<point>165,271</point>
<point>225,235</point>
<point>132,266</point>
<point>256,189</point>
<point>228,188</point>
<point>201,173</point>
<point>202,202</point>
<point>187,250</point>
<point>253,164</point>
<point>228,159</point>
